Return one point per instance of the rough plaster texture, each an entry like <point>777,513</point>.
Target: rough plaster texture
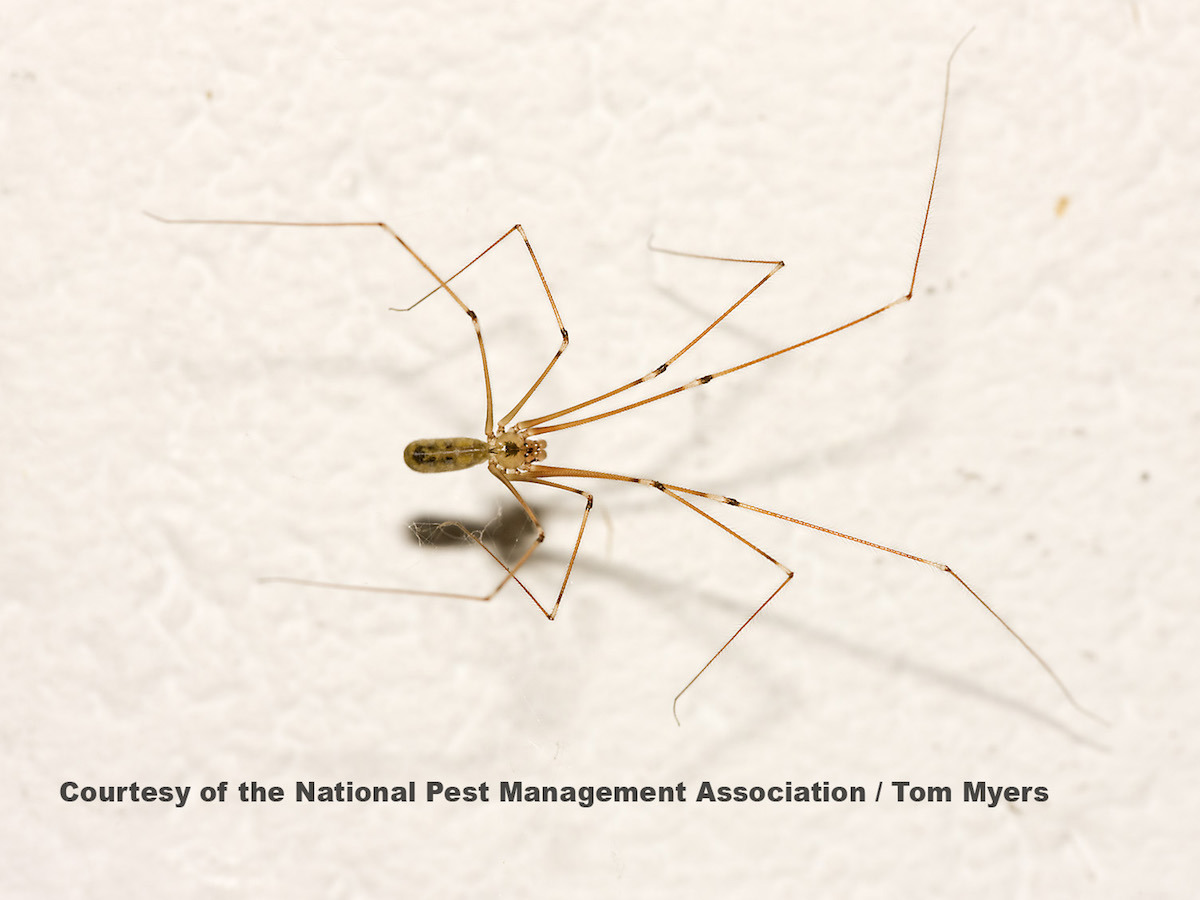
<point>186,409</point>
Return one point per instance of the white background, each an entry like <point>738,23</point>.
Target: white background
<point>189,408</point>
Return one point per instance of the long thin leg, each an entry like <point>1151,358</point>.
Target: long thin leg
<point>538,426</point>
<point>703,379</point>
<point>542,472</point>
<point>487,379</point>
<point>510,571</point>
<point>776,265</point>
<point>587,508</point>
<point>511,414</point>
<point>372,589</point>
<point>788,573</point>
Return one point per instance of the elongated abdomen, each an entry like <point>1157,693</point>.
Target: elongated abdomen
<point>445,454</point>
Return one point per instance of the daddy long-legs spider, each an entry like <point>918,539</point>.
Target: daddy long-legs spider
<point>514,449</point>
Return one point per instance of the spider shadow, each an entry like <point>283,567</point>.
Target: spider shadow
<point>507,534</point>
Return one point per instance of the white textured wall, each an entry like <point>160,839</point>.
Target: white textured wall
<point>185,409</point>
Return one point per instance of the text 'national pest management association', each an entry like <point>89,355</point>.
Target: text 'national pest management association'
<point>522,792</point>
